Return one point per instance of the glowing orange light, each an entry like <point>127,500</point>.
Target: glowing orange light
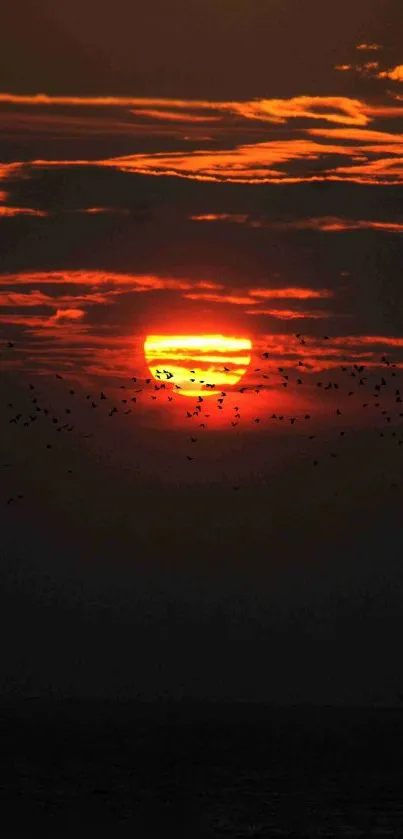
<point>197,363</point>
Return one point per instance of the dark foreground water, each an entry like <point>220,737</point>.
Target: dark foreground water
<point>185,770</point>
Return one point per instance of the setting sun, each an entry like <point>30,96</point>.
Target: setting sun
<point>197,363</point>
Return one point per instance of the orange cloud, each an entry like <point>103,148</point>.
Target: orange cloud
<point>358,340</point>
<point>334,224</point>
<point>95,279</point>
<point>359,135</point>
<point>61,316</point>
<point>252,163</point>
<point>30,299</point>
<point>258,162</point>
<point>174,116</point>
<point>322,223</point>
<point>24,320</point>
<point>9,170</point>
<point>340,109</point>
<point>248,298</point>
<point>386,170</point>
<point>288,314</point>
<point>98,210</point>
<point>369,47</point>
<point>343,67</point>
<point>219,298</point>
<point>21,211</point>
<point>67,314</point>
<point>291,293</point>
<point>240,218</point>
<point>261,162</point>
<point>395,74</point>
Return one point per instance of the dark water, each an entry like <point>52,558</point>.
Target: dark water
<point>184,770</point>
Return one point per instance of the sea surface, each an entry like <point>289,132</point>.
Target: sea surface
<point>193,770</point>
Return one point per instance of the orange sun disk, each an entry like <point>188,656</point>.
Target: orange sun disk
<point>197,364</point>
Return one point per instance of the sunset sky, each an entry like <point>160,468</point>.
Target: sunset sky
<point>212,189</point>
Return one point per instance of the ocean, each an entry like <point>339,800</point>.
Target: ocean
<point>193,770</point>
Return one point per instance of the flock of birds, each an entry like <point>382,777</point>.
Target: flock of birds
<point>380,395</point>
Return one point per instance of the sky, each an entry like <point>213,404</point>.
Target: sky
<point>212,187</point>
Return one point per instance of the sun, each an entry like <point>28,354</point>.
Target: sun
<point>196,364</point>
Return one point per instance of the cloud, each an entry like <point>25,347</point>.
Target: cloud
<point>369,47</point>
<point>279,159</point>
<point>240,218</point>
<point>255,295</point>
<point>9,212</point>
<point>291,293</point>
<point>67,315</point>
<point>289,314</point>
<point>10,170</point>
<point>92,211</point>
<point>327,224</point>
<point>100,279</point>
<point>250,163</point>
<point>325,354</point>
<point>31,299</point>
<point>174,116</point>
<point>395,74</point>
<point>382,171</point>
<point>334,224</point>
<point>60,317</point>
<point>330,108</point>
<point>235,299</point>
<point>358,135</point>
